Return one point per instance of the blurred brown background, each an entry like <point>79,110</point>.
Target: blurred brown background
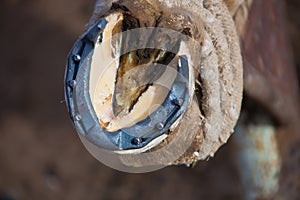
<point>41,156</point>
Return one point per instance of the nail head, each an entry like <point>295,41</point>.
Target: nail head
<point>76,58</point>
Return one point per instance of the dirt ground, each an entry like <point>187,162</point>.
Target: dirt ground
<point>41,156</point>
